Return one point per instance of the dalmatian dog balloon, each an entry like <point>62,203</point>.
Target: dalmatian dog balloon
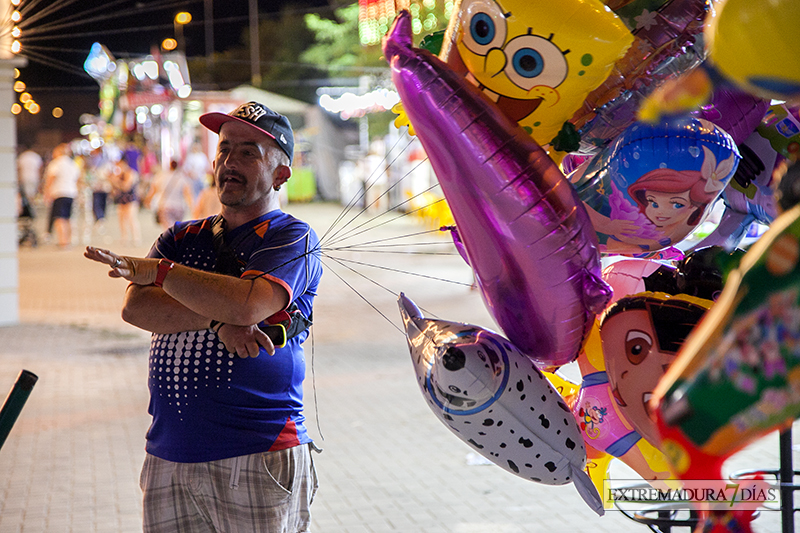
<point>495,399</point>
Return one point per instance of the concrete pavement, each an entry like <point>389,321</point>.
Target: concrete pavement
<point>72,460</point>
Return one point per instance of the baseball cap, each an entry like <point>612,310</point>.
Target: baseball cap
<point>261,118</point>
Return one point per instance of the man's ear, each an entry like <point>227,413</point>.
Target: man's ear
<point>281,175</point>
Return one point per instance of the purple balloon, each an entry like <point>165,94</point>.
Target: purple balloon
<point>735,111</point>
<point>528,237</point>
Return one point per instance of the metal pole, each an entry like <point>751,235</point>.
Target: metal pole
<point>255,54</point>
<point>14,402</point>
<point>787,481</point>
<point>208,20</point>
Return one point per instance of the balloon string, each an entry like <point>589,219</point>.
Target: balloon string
<point>349,232</point>
<point>407,213</point>
<point>341,261</point>
<point>362,296</point>
<point>371,181</point>
<point>328,245</point>
<point>342,264</point>
<point>314,385</point>
<point>358,197</point>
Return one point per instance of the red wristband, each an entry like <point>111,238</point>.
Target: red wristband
<point>164,266</point>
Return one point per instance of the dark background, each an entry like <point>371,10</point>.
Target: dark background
<point>57,36</point>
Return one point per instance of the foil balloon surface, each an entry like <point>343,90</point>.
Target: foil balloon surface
<point>641,336</point>
<point>738,374</point>
<point>737,112</point>
<point>536,60</point>
<point>495,399</point>
<point>755,45</point>
<point>750,195</point>
<point>606,431</point>
<point>528,238</point>
<point>655,183</point>
<point>667,42</point>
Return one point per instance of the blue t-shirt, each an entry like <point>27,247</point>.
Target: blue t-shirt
<point>206,402</point>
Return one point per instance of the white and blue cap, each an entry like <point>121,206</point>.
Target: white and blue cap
<point>260,117</point>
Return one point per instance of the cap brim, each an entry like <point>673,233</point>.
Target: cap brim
<point>214,121</point>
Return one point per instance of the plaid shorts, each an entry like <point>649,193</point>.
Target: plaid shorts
<point>263,492</point>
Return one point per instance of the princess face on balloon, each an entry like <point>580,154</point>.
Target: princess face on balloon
<point>668,204</point>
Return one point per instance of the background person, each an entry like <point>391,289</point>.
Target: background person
<point>170,196</point>
<point>207,202</point>
<point>232,424</point>
<point>124,184</point>
<point>60,189</point>
<point>29,173</point>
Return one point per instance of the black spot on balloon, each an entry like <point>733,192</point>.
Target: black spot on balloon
<point>479,446</point>
<point>570,444</point>
<point>566,422</point>
<point>532,409</point>
<point>558,432</point>
<point>528,465</point>
<point>520,385</point>
<point>538,455</point>
<point>447,417</point>
<point>564,406</point>
<point>526,442</point>
<point>522,398</point>
<point>536,479</point>
<point>513,467</point>
<point>511,430</point>
<point>454,359</point>
<point>545,422</point>
<point>550,466</point>
<point>499,423</point>
<point>482,433</point>
<point>502,444</point>
<point>488,422</point>
<point>544,397</point>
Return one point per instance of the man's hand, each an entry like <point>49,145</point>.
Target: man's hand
<point>138,270</point>
<point>245,340</point>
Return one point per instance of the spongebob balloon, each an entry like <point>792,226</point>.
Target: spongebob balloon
<point>537,60</point>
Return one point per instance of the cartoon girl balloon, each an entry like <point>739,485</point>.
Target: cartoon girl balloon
<point>655,184</point>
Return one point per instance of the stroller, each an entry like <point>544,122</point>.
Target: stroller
<point>25,218</point>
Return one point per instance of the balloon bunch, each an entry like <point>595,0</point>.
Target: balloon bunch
<point>684,358</point>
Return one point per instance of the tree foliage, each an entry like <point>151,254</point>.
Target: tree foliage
<point>337,44</point>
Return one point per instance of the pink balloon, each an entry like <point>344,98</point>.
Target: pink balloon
<point>602,424</point>
<point>525,231</point>
<point>627,276</point>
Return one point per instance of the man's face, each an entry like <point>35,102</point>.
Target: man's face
<point>244,165</point>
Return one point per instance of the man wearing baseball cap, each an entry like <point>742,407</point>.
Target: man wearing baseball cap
<point>228,300</point>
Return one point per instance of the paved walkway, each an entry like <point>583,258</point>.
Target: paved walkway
<point>72,461</point>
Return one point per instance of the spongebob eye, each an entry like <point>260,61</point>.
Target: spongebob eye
<point>533,61</point>
<point>483,26</point>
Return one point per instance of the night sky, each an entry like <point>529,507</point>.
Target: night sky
<point>60,33</point>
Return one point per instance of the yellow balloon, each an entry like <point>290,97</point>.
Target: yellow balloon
<point>756,45</point>
<point>537,60</point>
